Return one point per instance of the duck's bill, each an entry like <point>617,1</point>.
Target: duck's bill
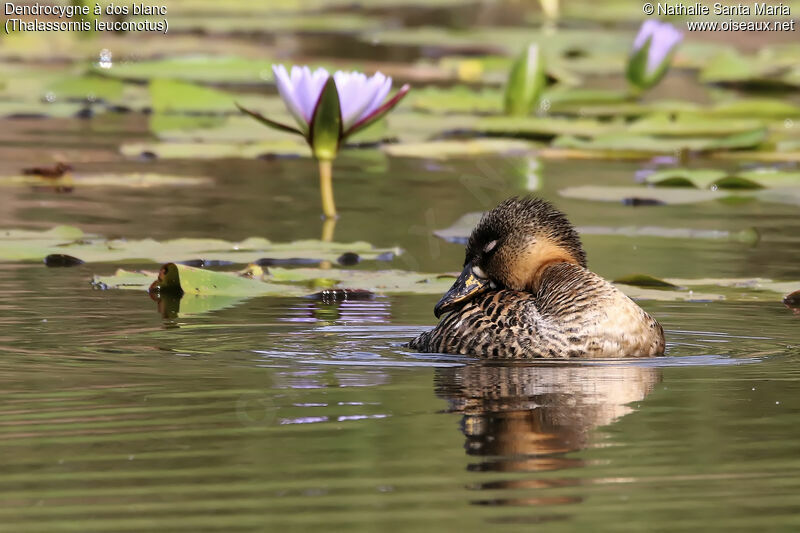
<point>467,286</point>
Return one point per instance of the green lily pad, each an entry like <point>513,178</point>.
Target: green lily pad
<point>38,109</point>
<point>734,68</point>
<point>708,178</point>
<point>461,229</point>
<point>133,180</point>
<point>34,246</point>
<point>659,145</point>
<point>702,178</point>
<point>457,148</point>
<point>200,150</point>
<point>644,280</point>
<point>693,126</point>
<point>85,88</point>
<point>281,282</point>
<point>677,196</point>
<point>659,195</point>
<point>458,99</point>
<point>171,96</point>
<point>756,107</point>
<point>184,279</point>
<point>199,68</point>
<point>649,293</point>
<point>58,234</point>
<point>541,127</point>
<point>278,281</point>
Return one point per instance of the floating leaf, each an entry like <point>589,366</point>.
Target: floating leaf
<point>687,125</point>
<point>660,195</point>
<point>644,280</point>
<point>182,279</point>
<point>460,148</point>
<point>85,88</point>
<point>461,229</point>
<point>732,67</point>
<point>755,107</point>
<point>647,293</point>
<point>659,145</point>
<point>134,180</point>
<point>172,96</point>
<point>190,150</point>
<point>708,178</point>
<point>40,110</point>
<point>702,178</point>
<point>279,281</point>
<point>198,68</point>
<point>34,246</point>
<point>306,282</point>
<point>541,127</point>
<point>457,99</point>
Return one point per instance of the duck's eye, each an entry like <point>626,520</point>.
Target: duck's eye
<point>478,271</point>
<point>490,246</point>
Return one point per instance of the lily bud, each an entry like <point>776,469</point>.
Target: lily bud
<point>652,54</point>
<point>525,82</point>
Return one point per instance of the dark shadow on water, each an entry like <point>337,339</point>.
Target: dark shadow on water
<point>530,418</point>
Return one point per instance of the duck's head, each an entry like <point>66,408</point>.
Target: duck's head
<point>511,247</point>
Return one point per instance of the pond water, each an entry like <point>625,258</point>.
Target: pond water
<point>293,414</point>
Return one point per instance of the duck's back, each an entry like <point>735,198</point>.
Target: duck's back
<point>575,314</point>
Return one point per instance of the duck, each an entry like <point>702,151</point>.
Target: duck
<point>525,292</point>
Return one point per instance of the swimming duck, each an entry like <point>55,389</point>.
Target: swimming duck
<point>525,292</point>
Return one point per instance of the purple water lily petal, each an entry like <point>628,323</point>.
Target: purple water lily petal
<point>360,97</point>
<point>664,37</point>
<point>286,90</point>
<point>358,94</point>
<point>308,86</point>
<point>380,96</point>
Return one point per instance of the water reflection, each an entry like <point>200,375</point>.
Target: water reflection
<point>527,418</point>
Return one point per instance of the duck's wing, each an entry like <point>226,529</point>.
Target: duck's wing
<point>590,317</point>
<point>497,324</point>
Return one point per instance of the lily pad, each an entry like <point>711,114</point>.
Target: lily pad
<point>278,281</point>
<point>457,148</point>
<point>182,279</point>
<point>199,150</point>
<point>709,178</point>
<point>755,107</point>
<point>684,125</point>
<point>133,180</point>
<point>734,68</point>
<point>542,127</point>
<point>461,229</point>
<point>458,99</point>
<point>171,96</point>
<point>644,280</point>
<point>658,145</point>
<point>197,68</point>
<point>34,246</point>
<point>85,88</point>
<point>628,195</point>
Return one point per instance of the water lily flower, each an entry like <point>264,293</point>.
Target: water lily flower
<point>328,109</point>
<point>652,53</point>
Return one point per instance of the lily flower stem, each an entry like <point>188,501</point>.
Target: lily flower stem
<point>328,227</point>
<point>326,188</point>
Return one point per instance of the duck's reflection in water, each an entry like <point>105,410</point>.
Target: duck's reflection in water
<point>527,418</point>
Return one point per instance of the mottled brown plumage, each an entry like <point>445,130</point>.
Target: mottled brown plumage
<point>525,292</point>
